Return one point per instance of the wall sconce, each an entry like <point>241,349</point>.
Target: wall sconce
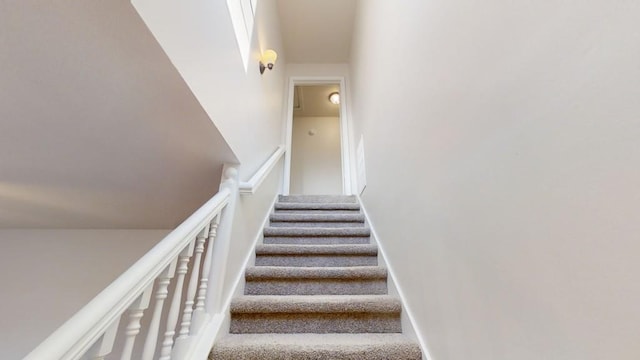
<point>334,98</point>
<point>268,60</point>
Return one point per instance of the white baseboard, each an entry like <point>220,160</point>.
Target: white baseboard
<point>418,334</point>
<point>205,341</point>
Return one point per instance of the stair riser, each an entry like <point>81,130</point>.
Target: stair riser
<point>317,199</point>
<point>304,207</point>
<point>260,323</point>
<point>316,261</point>
<point>318,218</point>
<point>317,287</point>
<point>280,352</point>
<point>316,347</point>
<point>316,224</point>
<point>316,232</point>
<point>315,240</point>
<point>302,354</point>
<point>316,212</point>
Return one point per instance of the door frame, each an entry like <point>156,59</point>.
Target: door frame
<point>345,148</point>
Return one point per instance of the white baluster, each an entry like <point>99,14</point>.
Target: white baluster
<point>199,315</point>
<point>193,285</point>
<point>106,342</point>
<point>154,327</point>
<point>174,310</point>
<point>136,310</point>
<point>218,269</point>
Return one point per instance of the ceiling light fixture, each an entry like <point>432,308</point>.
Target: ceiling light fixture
<point>334,98</point>
<point>267,60</point>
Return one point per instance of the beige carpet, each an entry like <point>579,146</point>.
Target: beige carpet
<point>316,290</point>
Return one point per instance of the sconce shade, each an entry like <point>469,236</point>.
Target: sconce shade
<point>268,59</point>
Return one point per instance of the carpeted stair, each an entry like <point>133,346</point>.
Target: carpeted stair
<point>316,290</point>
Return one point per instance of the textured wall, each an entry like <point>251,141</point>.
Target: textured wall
<point>502,151</point>
<point>245,106</point>
<point>98,129</point>
<point>316,164</point>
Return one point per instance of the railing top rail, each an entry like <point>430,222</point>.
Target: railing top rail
<point>249,187</point>
<point>78,333</point>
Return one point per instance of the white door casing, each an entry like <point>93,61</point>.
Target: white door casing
<point>347,185</point>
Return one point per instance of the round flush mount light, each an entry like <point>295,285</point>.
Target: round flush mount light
<point>334,98</point>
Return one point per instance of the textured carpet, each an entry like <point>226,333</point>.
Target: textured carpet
<point>317,347</point>
<point>316,290</point>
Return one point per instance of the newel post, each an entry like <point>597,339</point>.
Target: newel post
<point>222,244</point>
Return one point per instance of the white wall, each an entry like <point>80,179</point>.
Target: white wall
<point>98,128</point>
<point>246,107</point>
<point>48,275</point>
<point>250,214</point>
<point>502,151</point>
<point>316,164</point>
<point>338,69</point>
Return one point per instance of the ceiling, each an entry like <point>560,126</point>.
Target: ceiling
<point>317,31</point>
<point>313,100</point>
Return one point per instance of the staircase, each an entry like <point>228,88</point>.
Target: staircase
<point>316,290</point>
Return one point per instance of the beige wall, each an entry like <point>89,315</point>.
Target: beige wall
<point>48,275</point>
<point>250,213</point>
<point>98,128</point>
<point>502,151</point>
<point>316,165</point>
<point>338,69</point>
<point>245,106</point>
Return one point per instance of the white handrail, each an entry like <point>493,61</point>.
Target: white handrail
<point>81,331</point>
<point>249,187</point>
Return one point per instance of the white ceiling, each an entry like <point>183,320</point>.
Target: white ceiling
<point>97,128</point>
<point>313,100</point>
<point>317,31</point>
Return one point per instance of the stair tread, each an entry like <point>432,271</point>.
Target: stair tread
<point>295,273</point>
<point>301,217</point>
<point>336,249</point>
<point>246,304</point>
<point>316,231</point>
<point>317,346</point>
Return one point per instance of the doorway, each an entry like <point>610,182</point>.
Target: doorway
<point>316,160</point>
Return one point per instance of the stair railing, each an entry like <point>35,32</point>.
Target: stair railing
<point>250,187</point>
<point>180,278</point>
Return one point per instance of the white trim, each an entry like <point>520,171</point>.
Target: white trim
<point>242,14</point>
<point>286,178</point>
<point>391,272</point>
<point>345,151</point>
<point>250,187</point>
<point>208,333</point>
